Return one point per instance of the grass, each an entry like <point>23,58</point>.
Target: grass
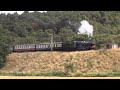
<point>101,63</point>
<point>63,74</point>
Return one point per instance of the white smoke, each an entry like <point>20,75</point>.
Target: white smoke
<point>85,28</point>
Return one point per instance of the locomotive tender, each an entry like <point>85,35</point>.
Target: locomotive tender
<point>56,46</point>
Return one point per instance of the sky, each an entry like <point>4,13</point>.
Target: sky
<point>19,12</point>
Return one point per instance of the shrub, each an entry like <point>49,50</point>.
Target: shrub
<point>69,67</point>
<point>4,51</point>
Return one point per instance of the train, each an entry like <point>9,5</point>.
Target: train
<point>55,46</point>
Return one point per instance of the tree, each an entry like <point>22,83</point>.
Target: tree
<point>81,37</point>
<point>66,34</point>
<point>4,51</point>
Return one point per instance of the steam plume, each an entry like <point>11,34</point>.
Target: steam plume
<point>85,28</point>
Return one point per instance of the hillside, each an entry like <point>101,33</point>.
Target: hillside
<point>78,63</point>
<point>36,28</point>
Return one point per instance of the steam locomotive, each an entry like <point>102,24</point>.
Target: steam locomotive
<point>56,46</point>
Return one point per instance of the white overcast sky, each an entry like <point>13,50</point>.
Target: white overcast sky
<point>19,12</point>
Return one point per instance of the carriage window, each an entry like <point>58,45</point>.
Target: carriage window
<point>59,45</point>
<point>16,47</point>
<point>55,45</point>
<point>33,46</point>
<point>47,45</point>
<point>39,46</point>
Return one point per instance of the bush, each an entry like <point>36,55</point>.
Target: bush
<point>4,51</point>
<point>69,67</point>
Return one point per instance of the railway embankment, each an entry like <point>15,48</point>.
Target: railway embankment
<point>78,63</point>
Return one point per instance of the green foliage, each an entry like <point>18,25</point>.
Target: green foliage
<point>26,40</point>
<point>66,34</point>
<point>64,74</point>
<point>38,25</point>
<point>81,37</point>
<point>4,51</point>
<point>5,40</point>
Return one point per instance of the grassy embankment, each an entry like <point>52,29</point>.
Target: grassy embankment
<point>79,63</point>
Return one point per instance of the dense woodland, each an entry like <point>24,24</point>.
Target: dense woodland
<point>37,27</point>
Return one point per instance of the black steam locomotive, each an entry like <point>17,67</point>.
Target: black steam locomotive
<point>56,46</point>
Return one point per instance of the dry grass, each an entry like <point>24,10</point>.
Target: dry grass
<point>41,77</point>
<point>70,62</point>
